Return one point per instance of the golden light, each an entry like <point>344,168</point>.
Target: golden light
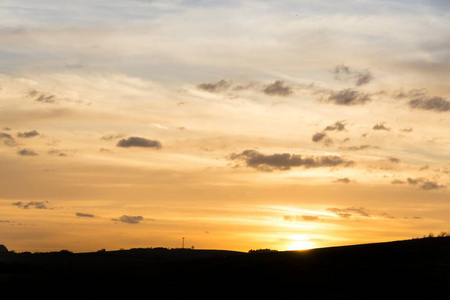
<point>300,243</point>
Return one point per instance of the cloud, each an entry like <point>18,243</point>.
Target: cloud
<point>322,137</point>
<point>286,161</point>
<point>27,152</point>
<point>348,212</point>
<point>357,148</point>
<point>386,215</point>
<point>398,181</point>
<point>394,160</point>
<point>111,137</point>
<point>319,136</point>
<point>380,127</point>
<point>84,215</point>
<point>438,104</point>
<point>414,93</point>
<point>343,180</point>
<point>424,183</point>
<point>278,88</point>
<point>60,153</point>
<point>130,219</point>
<point>360,77</point>
<point>139,142</point>
<point>406,130</point>
<point>28,134</point>
<point>42,97</point>
<point>300,218</point>
<point>349,97</point>
<point>338,126</point>
<point>31,204</point>
<point>7,139</point>
<point>215,87</point>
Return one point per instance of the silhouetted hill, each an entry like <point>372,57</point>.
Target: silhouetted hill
<point>414,269</point>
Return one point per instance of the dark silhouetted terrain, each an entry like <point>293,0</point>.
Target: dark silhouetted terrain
<point>412,269</point>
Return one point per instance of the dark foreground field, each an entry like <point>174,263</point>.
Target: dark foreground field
<point>412,269</point>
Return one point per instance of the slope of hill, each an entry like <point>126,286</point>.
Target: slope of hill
<point>418,269</point>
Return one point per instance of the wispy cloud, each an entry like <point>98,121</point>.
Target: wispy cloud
<point>360,77</point>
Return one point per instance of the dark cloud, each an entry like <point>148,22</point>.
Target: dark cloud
<point>357,148</point>
<point>31,204</point>
<point>348,212</point>
<point>84,215</point>
<point>319,136</point>
<point>380,127</point>
<point>50,98</point>
<point>6,128</point>
<point>438,104</point>
<point>60,153</point>
<point>338,126</point>
<point>424,183</point>
<point>406,130</point>
<point>27,152</point>
<point>343,180</point>
<point>28,134</point>
<point>394,160</point>
<point>278,88</point>
<point>300,218</point>
<point>215,87</point>
<point>322,137</point>
<point>139,142</point>
<point>7,139</point>
<point>286,161</point>
<point>360,77</point>
<point>112,137</point>
<point>130,219</point>
<point>42,97</point>
<point>349,97</point>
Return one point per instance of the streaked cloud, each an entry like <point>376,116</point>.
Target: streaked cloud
<point>438,104</point>
<point>349,97</point>
<point>31,204</point>
<point>286,161</point>
<point>349,212</point>
<point>84,215</point>
<point>215,87</point>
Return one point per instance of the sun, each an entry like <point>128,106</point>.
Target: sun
<point>300,245</point>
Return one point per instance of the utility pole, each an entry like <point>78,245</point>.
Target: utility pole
<point>182,244</point>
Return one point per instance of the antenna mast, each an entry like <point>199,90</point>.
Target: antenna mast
<point>182,244</point>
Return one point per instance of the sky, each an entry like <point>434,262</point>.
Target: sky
<point>234,124</point>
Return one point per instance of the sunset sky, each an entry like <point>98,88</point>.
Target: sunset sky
<point>236,124</point>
